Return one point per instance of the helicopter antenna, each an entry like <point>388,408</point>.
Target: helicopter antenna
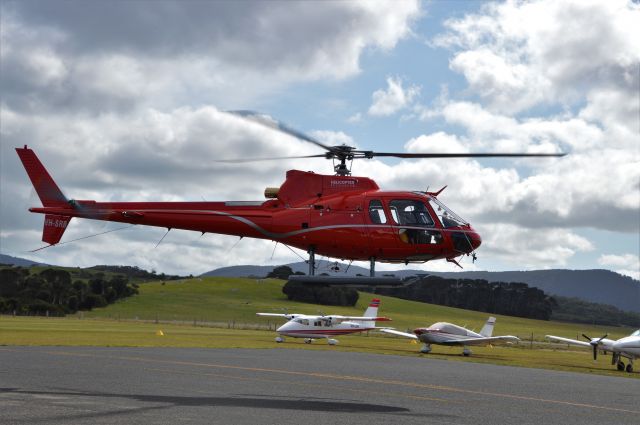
<point>162,238</point>
<point>84,237</point>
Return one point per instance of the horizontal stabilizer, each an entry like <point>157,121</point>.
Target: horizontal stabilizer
<point>54,227</point>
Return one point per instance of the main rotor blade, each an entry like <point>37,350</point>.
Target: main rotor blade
<point>239,160</point>
<point>274,124</point>
<point>459,155</point>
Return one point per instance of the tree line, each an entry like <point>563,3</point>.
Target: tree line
<point>52,291</point>
<point>579,311</point>
<point>511,299</point>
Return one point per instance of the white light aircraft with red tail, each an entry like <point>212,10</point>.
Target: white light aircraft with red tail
<point>316,327</point>
<point>444,333</point>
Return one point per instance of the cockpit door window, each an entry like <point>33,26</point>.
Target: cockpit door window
<point>410,212</point>
<point>416,226</point>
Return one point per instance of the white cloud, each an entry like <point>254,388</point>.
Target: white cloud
<point>333,138</point>
<point>524,249</point>
<point>516,55</point>
<point>355,118</point>
<point>626,264</point>
<point>68,55</point>
<point>393,99</point>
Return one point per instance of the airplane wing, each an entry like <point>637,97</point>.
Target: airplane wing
<point>568,341</point>
<point>394,332</point>
<point>483,341</point>
<point>286,316</point>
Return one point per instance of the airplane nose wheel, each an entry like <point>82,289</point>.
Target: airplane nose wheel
<point>630,368</point>
<point>426,349</point>
<point>279,339</point>
<point>466,352</point>
<point>332,341</point>
<point>307,340</point>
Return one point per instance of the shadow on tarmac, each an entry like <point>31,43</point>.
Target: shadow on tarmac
<point>241,401</point>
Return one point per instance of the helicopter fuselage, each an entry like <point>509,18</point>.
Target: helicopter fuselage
<point>342,217</point>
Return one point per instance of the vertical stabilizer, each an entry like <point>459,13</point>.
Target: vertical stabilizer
<point>487,329</point>
<point>372,310</point>
<point>48,191</point>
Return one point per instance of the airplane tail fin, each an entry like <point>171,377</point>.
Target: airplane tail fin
<point>372,310</point>
<point>48,191</point>
<point>487,329</point>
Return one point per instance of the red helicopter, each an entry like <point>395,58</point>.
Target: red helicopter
<point>339,216</point>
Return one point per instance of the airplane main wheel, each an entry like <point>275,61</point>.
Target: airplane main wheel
<point>466,352</point>
<point>620,366</point>
<point>630,368</point>
<point>332,341</point>
<point>426,349</point>
<point>279,339</point>
<point>307,340</point>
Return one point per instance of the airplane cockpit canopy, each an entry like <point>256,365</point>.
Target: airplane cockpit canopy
<point>636,333</point>
<point>448,328</point>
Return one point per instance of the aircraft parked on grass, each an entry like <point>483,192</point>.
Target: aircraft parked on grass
<point>628,347</point>
<point>443,333</point>
<point>314,327</point>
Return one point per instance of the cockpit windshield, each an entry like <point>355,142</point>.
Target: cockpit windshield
<point>636,333</point>
<point>447,217</point>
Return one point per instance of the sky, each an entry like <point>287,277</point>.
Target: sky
<point>125,101</point>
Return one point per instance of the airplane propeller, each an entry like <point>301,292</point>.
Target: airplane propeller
<point>344,153</point>
<point>594,343</point>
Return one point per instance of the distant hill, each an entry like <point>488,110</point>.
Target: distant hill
<point>21,262</point>
<point>598,286</point>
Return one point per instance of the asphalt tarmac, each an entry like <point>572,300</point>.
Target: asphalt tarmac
<point>90,385</point>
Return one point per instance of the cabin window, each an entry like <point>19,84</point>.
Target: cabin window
<point>376,212</point>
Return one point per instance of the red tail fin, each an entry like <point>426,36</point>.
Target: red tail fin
<point>54,227</point>
<point>48,191</point>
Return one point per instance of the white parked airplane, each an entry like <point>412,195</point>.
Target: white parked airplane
<point>628,347</point>
<point>444,333</point>
<point>314,327</point>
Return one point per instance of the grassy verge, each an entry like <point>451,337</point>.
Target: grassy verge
<point>103,332</point>
<point>227,307</point>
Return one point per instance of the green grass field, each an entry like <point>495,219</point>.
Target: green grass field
<point>220,313</point>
